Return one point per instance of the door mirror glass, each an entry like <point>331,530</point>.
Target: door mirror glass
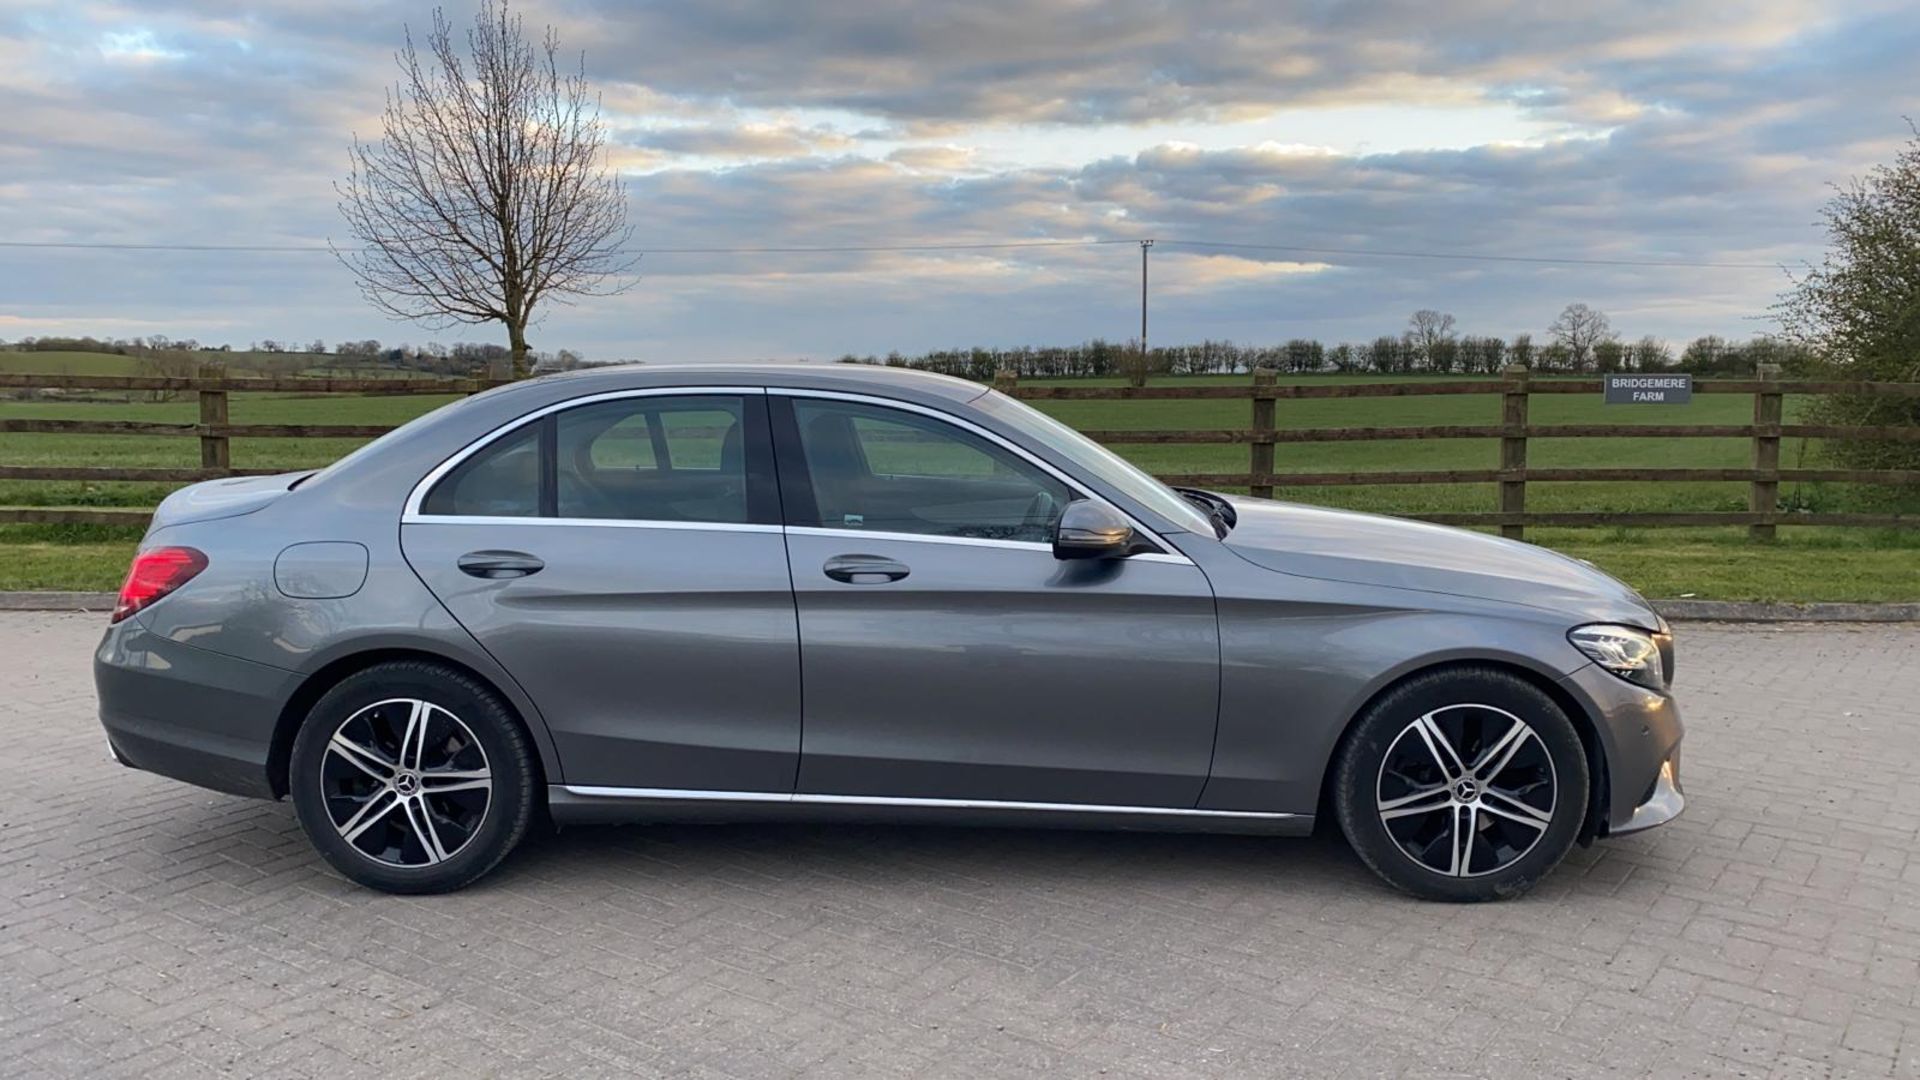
<point>1091,530</point>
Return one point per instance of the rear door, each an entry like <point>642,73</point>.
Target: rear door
<point>622,558</point>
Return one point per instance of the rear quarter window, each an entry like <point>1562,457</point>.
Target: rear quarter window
<point>502,480</point>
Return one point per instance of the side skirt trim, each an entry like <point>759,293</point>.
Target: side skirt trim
<point>811,799</point>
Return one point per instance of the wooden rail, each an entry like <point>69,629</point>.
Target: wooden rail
<point>1514,431</point>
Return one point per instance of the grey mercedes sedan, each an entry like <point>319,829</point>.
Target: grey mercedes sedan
<point>838,592</point>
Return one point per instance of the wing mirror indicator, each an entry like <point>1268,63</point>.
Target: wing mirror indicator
<point>1091,530</point>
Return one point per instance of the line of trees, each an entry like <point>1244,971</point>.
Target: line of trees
<point>165,355</point>
<point>1581,340</point>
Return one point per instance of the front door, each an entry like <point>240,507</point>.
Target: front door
<point>622,559</point>
<point>946,654</point>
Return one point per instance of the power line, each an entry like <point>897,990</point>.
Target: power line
<point>1471,256</point>
<point>831,249</point>
<point>794,250</point>
<point>64,245</point>
<point>874,247</point>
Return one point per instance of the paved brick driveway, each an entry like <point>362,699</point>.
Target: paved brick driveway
<point>148,929</point>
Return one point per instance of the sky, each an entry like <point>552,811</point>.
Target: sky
<point>1664,162</point>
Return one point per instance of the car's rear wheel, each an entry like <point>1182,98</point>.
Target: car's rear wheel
<point>412,777</point>
<point>1465,784</point>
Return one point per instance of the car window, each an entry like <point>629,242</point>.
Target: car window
<point>653,459</point>
<point>1103,463</point>
<point>502,480</point>
<point>650,458</point>
<point>877,469</point>
<point>627,444</point>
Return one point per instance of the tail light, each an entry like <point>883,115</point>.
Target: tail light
<point>154,574</point>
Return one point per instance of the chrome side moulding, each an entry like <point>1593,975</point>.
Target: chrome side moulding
<point>811,799</point>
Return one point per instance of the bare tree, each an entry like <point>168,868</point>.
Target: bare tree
<point>1426,331</point>
<point>1520,351</point>
<point>1138,363</point>
<point>489,192</point>
<point>1578,329</point>
<point>1651,354</point>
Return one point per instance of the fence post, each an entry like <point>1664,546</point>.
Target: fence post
<point>1005,379</point>
<point>1260,459</point>
<point>1765,497</point>
<point>1513,449</point>
<point>215,451</point>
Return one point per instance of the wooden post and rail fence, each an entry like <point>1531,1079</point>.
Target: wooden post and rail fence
<point>1264,394</point>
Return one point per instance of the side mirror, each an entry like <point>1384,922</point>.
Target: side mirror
<point>1091,530</point>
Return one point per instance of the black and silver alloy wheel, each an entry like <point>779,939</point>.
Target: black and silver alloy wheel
<point>413,777</point>
<point>406,782</point>
<point>1464,783</point>
<point>1466,790</point>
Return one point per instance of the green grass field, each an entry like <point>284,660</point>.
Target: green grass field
<point>1804,564</point>
<point>68,363</point>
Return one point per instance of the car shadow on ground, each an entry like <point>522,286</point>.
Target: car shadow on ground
<point>923,855</point>
<point>667,859</point>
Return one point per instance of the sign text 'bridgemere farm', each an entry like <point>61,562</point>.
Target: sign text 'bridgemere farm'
<point>1649,389</point>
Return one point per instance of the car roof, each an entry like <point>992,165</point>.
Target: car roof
<point>410,450</point>
<point>871,378</point>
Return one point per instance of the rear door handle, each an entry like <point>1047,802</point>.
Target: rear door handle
<point>499,564</point>
<point>864,569</point>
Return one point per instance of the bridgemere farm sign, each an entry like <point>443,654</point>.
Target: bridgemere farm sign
<point>1649,389</point>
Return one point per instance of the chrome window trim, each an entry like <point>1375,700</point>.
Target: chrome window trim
<point>601,523</point>
<point>804,798</point>
<point>410,513</point>
<point>967,541</point>
<point>1171,554</point>
<point>918,538</point>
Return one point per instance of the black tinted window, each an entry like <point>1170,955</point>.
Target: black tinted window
<point>502,480</point>
<point>654,459</point>
<point>888,470</point>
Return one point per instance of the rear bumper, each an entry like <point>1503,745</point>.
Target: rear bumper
<point>187,713</point>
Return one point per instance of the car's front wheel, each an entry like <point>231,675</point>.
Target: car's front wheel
<point>412,777</point>
<point>1464,784</point>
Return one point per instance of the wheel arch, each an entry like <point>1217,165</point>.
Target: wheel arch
<point>336,670</point>
<point>1598,794</point>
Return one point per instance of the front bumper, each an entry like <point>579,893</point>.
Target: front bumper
<point>1665,805</point>
<point>187,713</point>
<point>1639,732</point>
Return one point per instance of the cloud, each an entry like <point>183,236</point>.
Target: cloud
<point>1618,129</point>
<point>746,140</point>
<point>945,159</point>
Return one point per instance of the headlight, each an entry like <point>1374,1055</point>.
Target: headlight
<point>1627,651</point>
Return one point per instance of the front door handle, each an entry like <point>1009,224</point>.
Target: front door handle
<point>864,569</point>
<point>499,564</point>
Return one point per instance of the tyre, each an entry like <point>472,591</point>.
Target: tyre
<point>1467,784</point>
<point>411,777</point>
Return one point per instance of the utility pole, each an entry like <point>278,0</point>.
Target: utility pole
<point>1144,245</point>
